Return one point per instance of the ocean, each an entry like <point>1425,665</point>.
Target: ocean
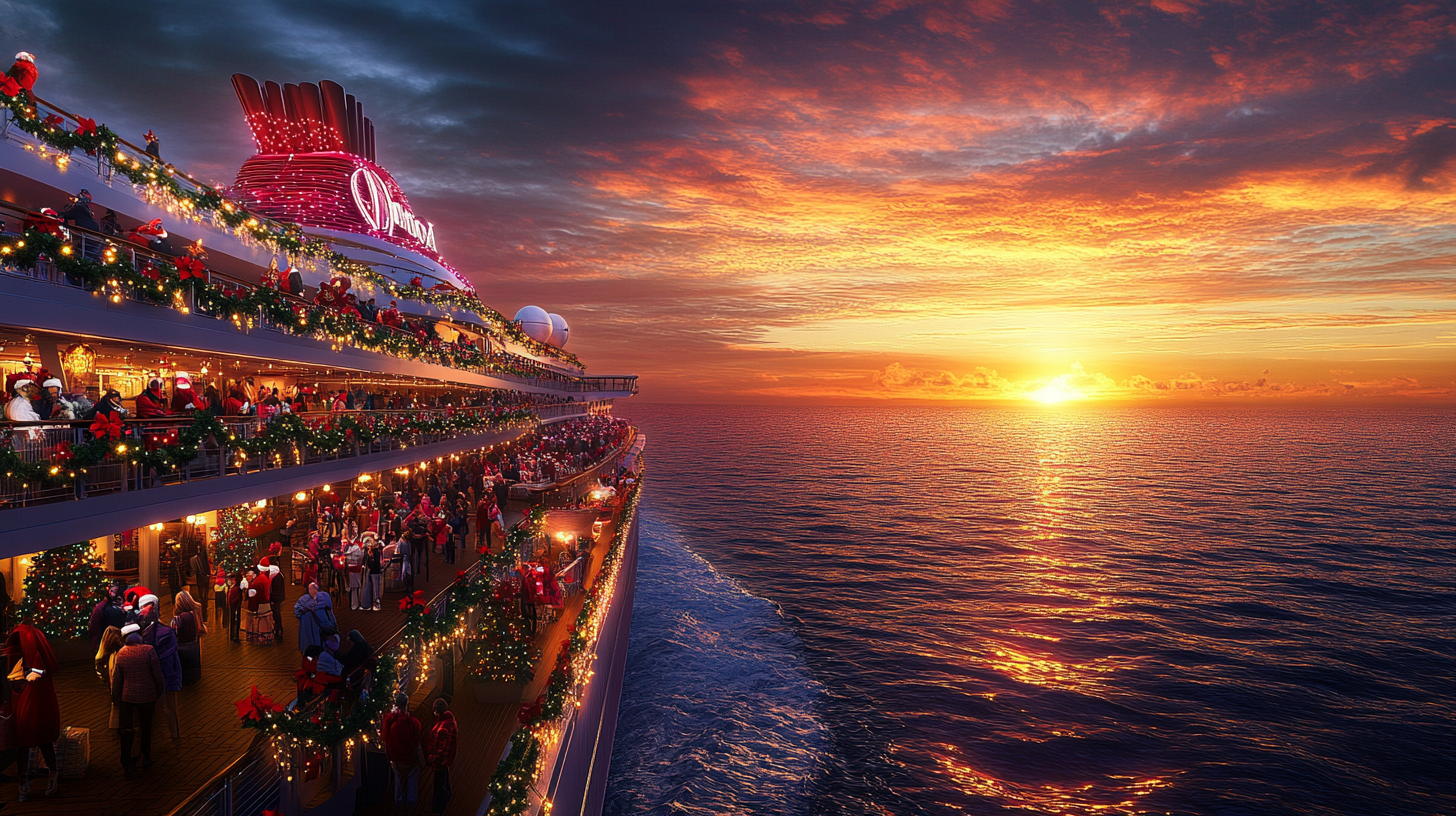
<point>1060,610</point>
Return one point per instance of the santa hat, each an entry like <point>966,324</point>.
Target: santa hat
<point>129,628</point>
<point>276,548</point>
<point>263,565</point>
<point>184,381</point>
<point>274,570</point>
<point>19,384</point>
<point>131,596</point>
<point>52,382</point>
<point>146,600</point>
<point>49,213</point>
<point>24,56</point>
<point>153,228</point>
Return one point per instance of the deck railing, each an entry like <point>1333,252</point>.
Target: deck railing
<point>38,442</point>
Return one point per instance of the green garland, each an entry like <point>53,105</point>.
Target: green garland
<point>514,775</point>
<point>279,435</point>
<point>510,786</point>
<point>288,239</point>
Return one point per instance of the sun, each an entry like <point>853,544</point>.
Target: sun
<point>1055,392</point>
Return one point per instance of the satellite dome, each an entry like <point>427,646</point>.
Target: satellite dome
<point>535,323</point>
<point>560,332</point>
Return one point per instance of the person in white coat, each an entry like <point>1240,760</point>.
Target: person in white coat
<point>20,409</point>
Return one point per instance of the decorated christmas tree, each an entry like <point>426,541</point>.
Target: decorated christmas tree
<point>234,549</point>
<point>506,649</point>
<point>61,588</point>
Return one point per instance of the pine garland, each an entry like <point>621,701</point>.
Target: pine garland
<point>510,786</point>
<point>280,435</point>
<point>160,178</point>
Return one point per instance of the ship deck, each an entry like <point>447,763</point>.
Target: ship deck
<point>212,739</point>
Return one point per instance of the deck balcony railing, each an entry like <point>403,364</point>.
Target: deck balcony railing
<point>38,442</point>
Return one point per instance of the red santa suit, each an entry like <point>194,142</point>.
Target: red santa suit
<point>23,71</point>
<point>36,711</point>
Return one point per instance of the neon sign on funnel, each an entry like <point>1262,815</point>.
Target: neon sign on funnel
<point>382,213</point>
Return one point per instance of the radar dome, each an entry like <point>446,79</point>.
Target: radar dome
<point>535,323</point>
<point>560,332</point>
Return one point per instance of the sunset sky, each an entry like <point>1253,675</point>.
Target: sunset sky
<point>749,202</point>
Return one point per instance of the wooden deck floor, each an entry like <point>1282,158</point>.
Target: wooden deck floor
<point>211,737</point>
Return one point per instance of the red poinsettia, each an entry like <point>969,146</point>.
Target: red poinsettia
<point>190,268</point>
<point>415,601</point>
<point>86,126</point>
<point>9,86</point>
<point>460,576</point>
<point>416,282</point>
<point>52,120</point>
<point>150,270</point>
<point>107,426</point>
<point>63,453</point>
<point>256,706</point>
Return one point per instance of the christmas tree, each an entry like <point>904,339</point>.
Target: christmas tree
<point>506,650</point>
<point>62,586</point>
<point>234,549</point>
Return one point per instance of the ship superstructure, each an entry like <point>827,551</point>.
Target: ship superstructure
<point>226,373</point>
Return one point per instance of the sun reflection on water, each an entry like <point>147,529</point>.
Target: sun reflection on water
<point>1111,795</point>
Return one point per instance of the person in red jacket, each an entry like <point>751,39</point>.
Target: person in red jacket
<point>152,403</point>
<point>24,72</point>
<point>443,739</point>
<point>35,709</point>
<point>401,733</point>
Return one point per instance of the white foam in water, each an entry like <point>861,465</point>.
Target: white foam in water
<point>719,713</point>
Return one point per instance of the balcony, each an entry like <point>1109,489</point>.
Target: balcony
<point>118,495</point>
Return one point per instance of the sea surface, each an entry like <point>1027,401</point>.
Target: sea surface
<point>1061,610</point>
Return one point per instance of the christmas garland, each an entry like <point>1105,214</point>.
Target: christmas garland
<point>514,776</point>
<point>112,440</point>
<point>288,239</point>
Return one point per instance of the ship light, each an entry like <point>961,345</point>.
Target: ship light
<point>300,496</point>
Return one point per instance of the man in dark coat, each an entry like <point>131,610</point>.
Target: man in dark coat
<point>107,613</point>
<point>275,597</point>
<point>163,638</point>
<point>202,578</point>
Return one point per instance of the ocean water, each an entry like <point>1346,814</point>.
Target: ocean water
<point>1247,610</point>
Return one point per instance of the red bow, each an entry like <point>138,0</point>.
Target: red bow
<point>53,120</point>
<point>107,425</point>
<point>63,453</point>
<point>86,126</point>
<point>459,576</point>
<point>256,706</point>
<point>150,270</point>
<point>190,268</point>
<point>415,601</point>
<point>306,681</point>
<point>9,86</point>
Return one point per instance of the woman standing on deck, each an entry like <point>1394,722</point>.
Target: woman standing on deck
<point>315,612</point>
<point>189,626</point>
<point>258,614</point>
<point>34,707</point>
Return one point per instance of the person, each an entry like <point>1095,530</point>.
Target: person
<point>270,407</point>
<point>154,145</point>
<point>184,401</point>
<point>24,72</point>
<point>315,612</point>
<point>190,627</point>
<point>79,212</point>
<point>56,405</point>
<point>482,521</point>
<point>374,563</point>
<point>109,406</point>
<point>152,403</point>
<point>164,640</point>
<point>233,598</point>
<point>110,224</point>
<point>340,402</point>
<point>354,558</point>
<point>405,559</point>
<point>359,653</point>
<point>20,408</point>
<point>34,708</point>
<point>111,643</point>
<point>276,584</point>
<point>259,618</point>
<point>201,580</point>
<point>137,683</point>
<point>234,405</point>
<point>401,733</point>
<point>443,738</point>
<point>107,613</point>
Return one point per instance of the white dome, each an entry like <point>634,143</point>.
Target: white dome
<point>560,332</point>
<point>535,323</point>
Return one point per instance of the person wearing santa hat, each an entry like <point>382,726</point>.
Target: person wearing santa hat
<point>35,711</point>
<point>137,683</point>
<point>24,72</point>
<point>258,614</point>
<point>152,403</point>
<point>183,399</point>
<point>20,408</point>
<point>164,639</point>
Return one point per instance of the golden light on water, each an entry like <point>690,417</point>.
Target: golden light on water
<point>1056,391</point>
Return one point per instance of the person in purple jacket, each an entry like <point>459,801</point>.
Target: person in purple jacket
<point>163,639</point>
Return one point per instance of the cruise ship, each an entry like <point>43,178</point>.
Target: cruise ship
<point>211,383</point>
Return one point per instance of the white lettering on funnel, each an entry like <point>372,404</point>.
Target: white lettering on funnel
<point>382,213</point>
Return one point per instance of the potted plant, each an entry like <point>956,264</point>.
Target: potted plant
<point>504,656</point>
